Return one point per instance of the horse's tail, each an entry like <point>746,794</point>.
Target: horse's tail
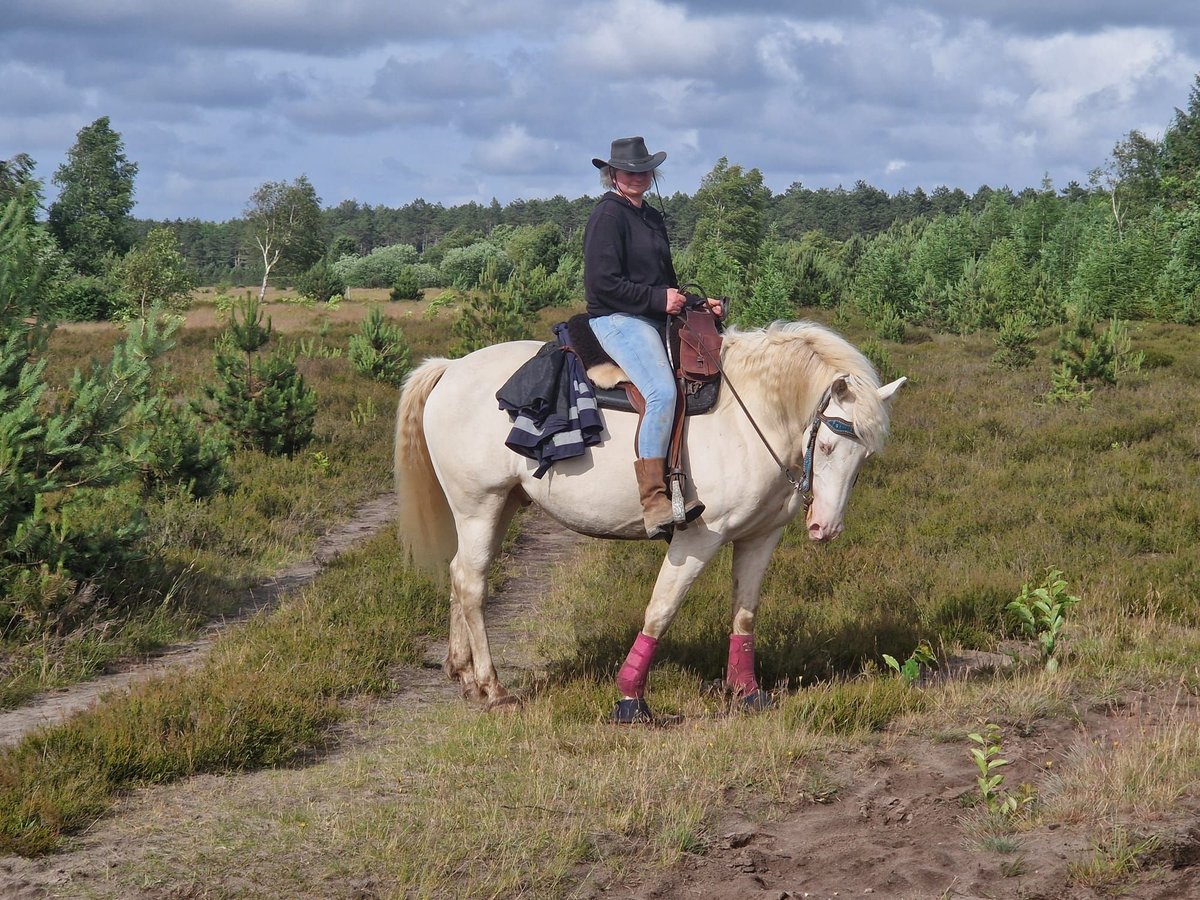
<point>424,517</point>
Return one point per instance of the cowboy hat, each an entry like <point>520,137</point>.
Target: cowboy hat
<point>630,155</point>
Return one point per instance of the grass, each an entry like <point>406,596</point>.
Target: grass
<point>201,556</point>
<point>267,694</point>
<point>981,489</point>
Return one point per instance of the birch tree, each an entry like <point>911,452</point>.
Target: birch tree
<point>284,220</point>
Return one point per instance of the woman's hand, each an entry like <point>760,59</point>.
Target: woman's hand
<point>717,306</point>
<point>675,301</point>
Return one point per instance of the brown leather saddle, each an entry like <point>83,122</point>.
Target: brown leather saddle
<point>694,345</point>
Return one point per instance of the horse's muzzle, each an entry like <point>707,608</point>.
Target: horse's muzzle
<point>822,533</point>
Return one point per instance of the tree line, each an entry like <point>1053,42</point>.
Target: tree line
<point>1125,244</point>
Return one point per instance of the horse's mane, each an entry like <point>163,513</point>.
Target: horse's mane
<point>790,364</point>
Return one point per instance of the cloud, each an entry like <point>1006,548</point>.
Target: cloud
<point>318,27</point>
<point>628,41</point>
<point>465,99</point>
<point>449,76</point>
<point>514,150</point>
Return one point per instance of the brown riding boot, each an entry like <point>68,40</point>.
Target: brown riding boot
<point>652,489</point>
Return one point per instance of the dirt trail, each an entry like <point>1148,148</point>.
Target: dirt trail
<point>541,546</point>
<point>885,820</point>
<point>55,706</point>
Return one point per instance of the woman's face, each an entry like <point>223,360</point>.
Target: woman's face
<point>632,184</point>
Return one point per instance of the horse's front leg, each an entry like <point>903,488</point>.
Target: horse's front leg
<point>750,559</point>
<point>687,556</point>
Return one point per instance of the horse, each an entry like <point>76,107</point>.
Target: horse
<point>797,396</point>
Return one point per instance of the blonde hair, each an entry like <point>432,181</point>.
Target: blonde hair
<point>607,172</point>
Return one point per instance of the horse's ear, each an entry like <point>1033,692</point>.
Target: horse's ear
<point>840,389</point>
<point>888,390</point>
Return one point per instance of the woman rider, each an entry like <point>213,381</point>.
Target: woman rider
<point>631,289</point>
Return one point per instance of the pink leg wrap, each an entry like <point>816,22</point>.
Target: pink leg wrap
<point>740,674</point>
<point>631,680</point>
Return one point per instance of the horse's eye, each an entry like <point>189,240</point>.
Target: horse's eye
<point>825,447</point>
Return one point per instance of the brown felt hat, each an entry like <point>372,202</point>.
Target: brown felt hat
<point>630,155</point>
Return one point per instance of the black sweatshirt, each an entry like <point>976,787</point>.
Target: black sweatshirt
<point>626,259</point>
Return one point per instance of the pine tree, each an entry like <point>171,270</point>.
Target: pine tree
<point>57,458</point>
<point>379,350</point>
<point>493,314</point>
<point>263,401</point>
<point>91,217</point>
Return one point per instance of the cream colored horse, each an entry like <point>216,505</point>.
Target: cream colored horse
<point>458,485</point>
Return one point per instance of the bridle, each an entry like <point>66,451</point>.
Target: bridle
<point>837,425</point>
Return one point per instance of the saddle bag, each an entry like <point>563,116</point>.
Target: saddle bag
<point>696,341</point>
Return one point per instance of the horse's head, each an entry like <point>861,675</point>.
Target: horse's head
<point>844,432</point>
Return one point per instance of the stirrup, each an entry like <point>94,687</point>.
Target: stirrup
<point>680,511</point>
<point>662,532</point>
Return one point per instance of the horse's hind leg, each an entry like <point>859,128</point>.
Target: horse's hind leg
<point>469,658</point>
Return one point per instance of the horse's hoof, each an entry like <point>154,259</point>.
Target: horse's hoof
<point>632,711</point>
<point>506,703</point>
<point>756,701</point>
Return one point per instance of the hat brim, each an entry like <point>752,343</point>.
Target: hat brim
<point>625,165</point>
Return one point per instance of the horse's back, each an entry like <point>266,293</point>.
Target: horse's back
<point>594,493</point>
<point>462,419</point>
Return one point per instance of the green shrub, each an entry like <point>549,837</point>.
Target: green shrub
<point>1088,356</point>
<point>538,288</point>
<point>770,297</point>
<point>1014,342</point>
<point>87,298</point>
<point>889,325</point>
<point>493,314</point>
<point>463,267</point>
<point>377,269</point>
<point>321,283</point>
<point>407,285</point>
<point>58,459</point>
<point>181,452</point>
<point>379,350</point>
<point>263,401</point>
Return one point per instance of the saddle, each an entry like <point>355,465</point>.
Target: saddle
<point>695,347</point>
<point>693,342</point>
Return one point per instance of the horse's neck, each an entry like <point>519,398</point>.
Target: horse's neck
<point>781,397</point>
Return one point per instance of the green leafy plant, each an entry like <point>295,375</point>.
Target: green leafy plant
<point>63,454</point>
<point>910,670</point>
<point>990,780</point>
<point>1098,357</point>
<point>320,283</point>
<point>493,314</point>
<point>1042,613</point>
<point>407,286</point>
<point>1065,387</point>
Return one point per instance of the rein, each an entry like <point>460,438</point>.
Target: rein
<point>836,424</point>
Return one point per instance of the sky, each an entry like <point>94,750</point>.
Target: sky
<point>452,101</point>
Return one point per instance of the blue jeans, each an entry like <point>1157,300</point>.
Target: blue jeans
<point>636,345</point>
